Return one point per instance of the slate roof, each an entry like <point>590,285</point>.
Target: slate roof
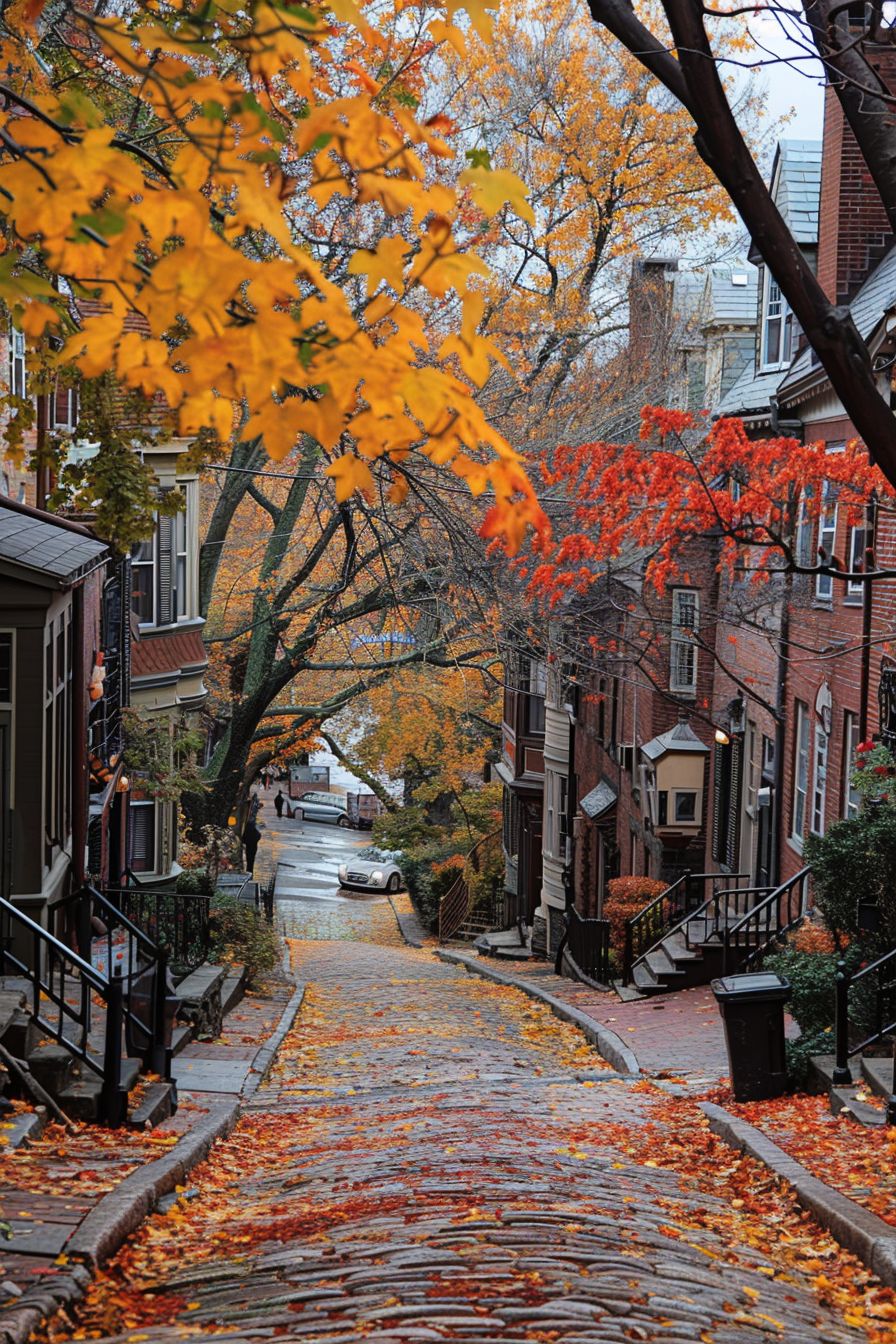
<point>798,185</point>
<point>725,301</point>
<point>160,653</point>
<point>751,394</point>
<point>873,301</point>
<point>49,551</point>
<point>680,738</point>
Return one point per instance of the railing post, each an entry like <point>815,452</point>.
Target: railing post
<point>842,1073</point>
<point>891,1099</point>
<point>627,958</point>
<point>158,1055</point>
<point>113,1102</point>
<point>83,928</point>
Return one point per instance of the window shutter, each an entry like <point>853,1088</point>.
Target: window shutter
<point>141,837</point>
<point>734,791</point>
<point>719,796</point>
<point>166,546</point>
<point>95,847</point>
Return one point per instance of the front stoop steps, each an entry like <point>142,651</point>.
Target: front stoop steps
<point>872,1079</point>
<point>73,1084</point>
<point>505,945</point>
<point>671,964</point>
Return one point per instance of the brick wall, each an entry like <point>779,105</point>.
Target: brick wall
<point>853,228</point>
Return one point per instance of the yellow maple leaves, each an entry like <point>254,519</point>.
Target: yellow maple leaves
<point>257,127</point>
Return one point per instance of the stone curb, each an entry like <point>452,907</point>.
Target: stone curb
<point>409,926</point>
<point>613,1049</point>
<point>119,1213</point>
<point>113,1219</point>
<point>264,1057</point>
<point>853,1226</point>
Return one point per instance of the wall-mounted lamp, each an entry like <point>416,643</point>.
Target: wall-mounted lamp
<point>123,785</point>
<point>722,738</point>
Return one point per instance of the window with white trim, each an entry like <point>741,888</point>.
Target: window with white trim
<point>819,779</point>
<point>804,529</point>
<point>800,772</point>
<point>159,573</point>
<point>682,646</point>
<point>856,563</point>
<point>776,326</point>
<point>827,538</point>
<point>17,377</point>
<point>852,799</point>
<point>63,409</point>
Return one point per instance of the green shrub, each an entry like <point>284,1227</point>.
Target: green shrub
<point>812,976</point>
<point>194,882</point>
<point>800,1052</point>
<point>240,935</point>
<point>855,860</point>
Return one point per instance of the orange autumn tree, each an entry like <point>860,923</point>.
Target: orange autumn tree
<point>171,162</point>
<point>693,504</point>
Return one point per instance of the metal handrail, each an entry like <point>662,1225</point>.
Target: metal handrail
<point>765,920</point>
<point>49,986</point>
<point>842,1020</point>
<point>586,943</point>
<point>715,901</point>
<point>143,976</point>
<point>664,929</point>
<point>454,906</point>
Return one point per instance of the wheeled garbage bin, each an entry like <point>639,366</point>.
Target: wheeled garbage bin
<point>752,1008</point>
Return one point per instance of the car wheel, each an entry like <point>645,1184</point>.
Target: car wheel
<point>343,822</point>
<point>394,883</point>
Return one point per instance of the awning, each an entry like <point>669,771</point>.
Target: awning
<point>598,801</point>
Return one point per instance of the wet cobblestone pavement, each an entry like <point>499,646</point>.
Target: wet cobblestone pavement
<point>435,1158</point>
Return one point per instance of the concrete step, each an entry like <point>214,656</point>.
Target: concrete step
<point>678,949</point>
<point>663,967</point>
<point>181,1038</point>
<point>878,1074</point>
<point>21,1034</point>
<point>645,980</point>
<point>233,989</point>
<point>80,1099</point>
<point>52,1065</point>
<point>159,1101</point>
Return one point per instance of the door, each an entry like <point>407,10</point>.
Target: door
<point>5,806</point>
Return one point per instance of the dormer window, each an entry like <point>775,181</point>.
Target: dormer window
<point>17,386</point>
<point>777,323</point>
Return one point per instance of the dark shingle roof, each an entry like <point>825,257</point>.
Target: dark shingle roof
<point>731,294</point>
<point>54,554</point>
<point>751,394</point>
<point>798,186</point>
<point>876,297</point>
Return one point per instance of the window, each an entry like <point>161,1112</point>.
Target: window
<point>534,684</point>
<point>852,799</point>
<point>800,771</point>
<point>819,779</point>
<point>63,408</point>
<point>776,328</point>
<point>142,835</point>
<point>685,806</point>
<point>159,569</point>
<point>855,590</point>
<point>563,805</point>
<point>803,547</point>
<point>683,652</point>
<point>17,381</point>
<point>827,538</point>
<point>58,682</point>
<point>6,669</point>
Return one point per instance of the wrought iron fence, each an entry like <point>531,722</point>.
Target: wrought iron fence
<point>587,945</point>
<point>176,920</point>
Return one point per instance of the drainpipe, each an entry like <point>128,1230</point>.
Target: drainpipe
<point>867,605</point>
<point>79,741</point>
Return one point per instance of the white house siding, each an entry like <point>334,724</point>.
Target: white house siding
<point>556,783</point>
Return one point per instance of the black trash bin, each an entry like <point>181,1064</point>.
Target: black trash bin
<point>752,1008</point>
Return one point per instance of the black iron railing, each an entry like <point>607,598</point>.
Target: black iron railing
<point>767,924</point>
<point>456,905</point>
<point>726,906</point>
<point>61,989</point>
<point>865,1013</point>
<point>586,944</point>
<point>175,920</point>
<point>122,952</point>
<point>665,913</point>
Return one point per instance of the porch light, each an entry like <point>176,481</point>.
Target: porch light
<point>722,737</point>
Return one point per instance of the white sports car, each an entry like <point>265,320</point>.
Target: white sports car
<point>371,875</point>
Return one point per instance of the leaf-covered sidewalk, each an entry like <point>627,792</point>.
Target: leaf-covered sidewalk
<point>440,1158</point>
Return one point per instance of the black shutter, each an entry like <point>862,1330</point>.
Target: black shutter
<point>732,834</point>
<point>721,768</point>
<point>165,579</point>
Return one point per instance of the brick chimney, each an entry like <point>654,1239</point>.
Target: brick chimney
<point>853,229</point>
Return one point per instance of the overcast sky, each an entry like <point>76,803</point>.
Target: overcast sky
<point>792,89</point>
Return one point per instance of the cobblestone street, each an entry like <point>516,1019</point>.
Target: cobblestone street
<point>437,1158</point>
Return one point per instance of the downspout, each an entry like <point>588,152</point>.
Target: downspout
<point>867,606</point>
<point>79,743</point>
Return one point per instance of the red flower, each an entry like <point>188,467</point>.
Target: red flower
<point>881,769</point>
<point>865,746</point>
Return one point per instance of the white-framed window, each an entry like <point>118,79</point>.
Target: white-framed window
<point>17,377</point>
<point>856,562</point>
<point>852,799</point>
<point>685,807</point>
<point>819,779</point>
<point>683,648</point>
<point>800,772</point>
<point>535,681</point>
<point>776,326</point>
<point>63,416</point>
<point>160,573</point>
<point>827,538</point>
<point>804,529</point>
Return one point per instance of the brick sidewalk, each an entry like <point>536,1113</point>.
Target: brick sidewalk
<point>673,1036</point>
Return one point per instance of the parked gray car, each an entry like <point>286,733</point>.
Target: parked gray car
<point>323,807</point>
